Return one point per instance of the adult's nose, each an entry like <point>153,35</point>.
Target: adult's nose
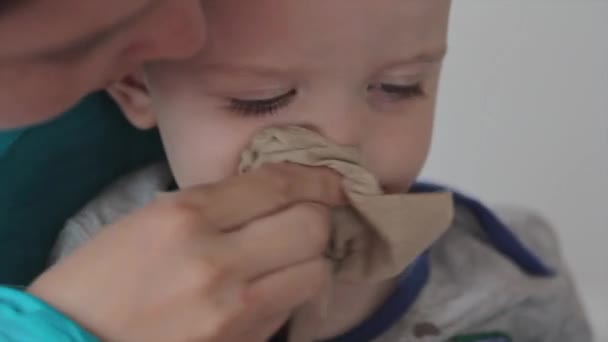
<point>177,30</point>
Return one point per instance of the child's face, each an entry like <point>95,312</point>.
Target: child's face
<point>360,72</point>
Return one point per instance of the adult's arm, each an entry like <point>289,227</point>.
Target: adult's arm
<point>201,264</point>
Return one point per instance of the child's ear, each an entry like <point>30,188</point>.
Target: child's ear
<point>133,97</point>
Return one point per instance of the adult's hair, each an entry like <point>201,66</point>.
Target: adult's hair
<point>7,5</point>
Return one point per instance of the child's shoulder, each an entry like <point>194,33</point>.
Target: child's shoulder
<point>518,237</point>
<point>497,274</point>
<point>534,231</point>
<point>127,194</point>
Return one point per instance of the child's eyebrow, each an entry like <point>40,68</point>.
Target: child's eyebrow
<point>432,55</point>
<point>244,69</point>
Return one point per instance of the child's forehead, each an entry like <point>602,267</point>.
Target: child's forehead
<point>283,29</point>
<point>291,22</point>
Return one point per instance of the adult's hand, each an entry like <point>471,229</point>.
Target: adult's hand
<point>222,262</point>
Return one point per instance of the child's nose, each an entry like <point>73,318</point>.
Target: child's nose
<point>343,127</point>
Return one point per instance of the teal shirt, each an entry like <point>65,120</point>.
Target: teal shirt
<point>26,318</point>
<point>49,171</point>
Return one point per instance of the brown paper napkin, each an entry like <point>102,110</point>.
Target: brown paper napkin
<point>376,237</point>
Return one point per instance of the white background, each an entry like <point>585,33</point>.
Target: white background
<point>523,118</point>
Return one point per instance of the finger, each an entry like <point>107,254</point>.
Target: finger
<point>287,289</point>
<point>274,242</point>
<point>240,199</point>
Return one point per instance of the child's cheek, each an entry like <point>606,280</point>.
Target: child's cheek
<point>396,159</point>
<point>202,152</point>
<point>396,175</point>
<point>220,147</point>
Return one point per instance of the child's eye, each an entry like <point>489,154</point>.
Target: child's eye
<point>400,92</point>
<point>260,107</point>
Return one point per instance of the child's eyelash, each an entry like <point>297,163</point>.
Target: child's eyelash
<point>400,92</point>
<point>272,105</point>
<point>262,106</point>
